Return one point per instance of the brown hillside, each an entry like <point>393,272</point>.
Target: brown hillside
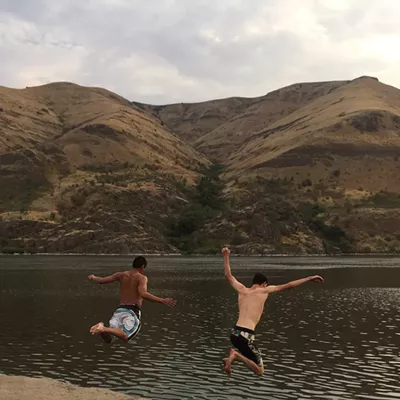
<point>89,125</point>
<point>231,135</point>
<point>49,132</point>
<point>193,120</point>
<point>79,167</point>
<point>349,138</point>
<point>313,167</point>
<point>219,127</point>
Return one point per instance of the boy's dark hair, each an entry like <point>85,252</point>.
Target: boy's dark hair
<point>259,279</point>
<point>139,262</point>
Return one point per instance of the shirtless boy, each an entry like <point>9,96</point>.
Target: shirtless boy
<point>251,307</point>
<point>126,321</point>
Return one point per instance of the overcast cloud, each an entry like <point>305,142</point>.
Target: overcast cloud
<point>163,51</point>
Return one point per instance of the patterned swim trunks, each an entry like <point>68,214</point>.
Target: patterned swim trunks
<point>243,340</point>
<point>127,317</point>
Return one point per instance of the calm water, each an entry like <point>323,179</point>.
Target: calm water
<point>339,340</point>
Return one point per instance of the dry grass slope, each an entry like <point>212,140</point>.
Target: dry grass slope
<point>49,132</point>
<point>231,135</point>
<point>353,130</point>
<point>193,121</point>
<point>83,169</point>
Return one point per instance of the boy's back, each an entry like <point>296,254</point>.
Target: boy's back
<point>251,306</point>
<point>129,288</point>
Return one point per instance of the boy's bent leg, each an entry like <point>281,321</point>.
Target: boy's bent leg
<point>119,333</point>
<point>106,332</point>
<point>107,338</point>
<point>245,351</point>
<point>235,355</point>
<point>257,369</point>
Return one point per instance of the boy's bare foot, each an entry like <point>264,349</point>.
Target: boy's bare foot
<point>227,366</point>
<point>228,362</point>
<point>98,328</point>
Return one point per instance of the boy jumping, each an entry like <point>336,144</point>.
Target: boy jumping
<point>251,306</point>
<point>126,321</point>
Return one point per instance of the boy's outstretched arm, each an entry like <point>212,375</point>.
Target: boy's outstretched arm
<point>293,284</point>
<point>108,279</point>
<point>144,294</point>
<point>228,274</point>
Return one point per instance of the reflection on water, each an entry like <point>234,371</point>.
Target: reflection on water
<point>339,340</point>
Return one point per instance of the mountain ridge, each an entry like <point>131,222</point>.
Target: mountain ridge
<point>312,168</point>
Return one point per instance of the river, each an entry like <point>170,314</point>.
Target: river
<point>338,340</point>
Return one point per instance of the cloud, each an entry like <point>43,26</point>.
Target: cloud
<point>163,51</point>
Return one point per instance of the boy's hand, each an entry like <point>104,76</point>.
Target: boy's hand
<point>169,302</point>
<point>91,277</point>
<point>316,278</point>
<point>226,252</point>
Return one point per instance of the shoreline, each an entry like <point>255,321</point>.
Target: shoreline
<point>284,255</point>
<point>14,387</point>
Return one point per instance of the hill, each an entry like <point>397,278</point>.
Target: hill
<point>218,127</point>
<point>79,164</point>
<point>313,167</point>
<point>192,121</point>
<point>304,167</point>
<point>352,130</point>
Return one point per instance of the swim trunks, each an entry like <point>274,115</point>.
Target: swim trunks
<point>127,317</point>
<point>243,339</point>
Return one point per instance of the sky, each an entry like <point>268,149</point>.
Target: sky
<point>168,51</point>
